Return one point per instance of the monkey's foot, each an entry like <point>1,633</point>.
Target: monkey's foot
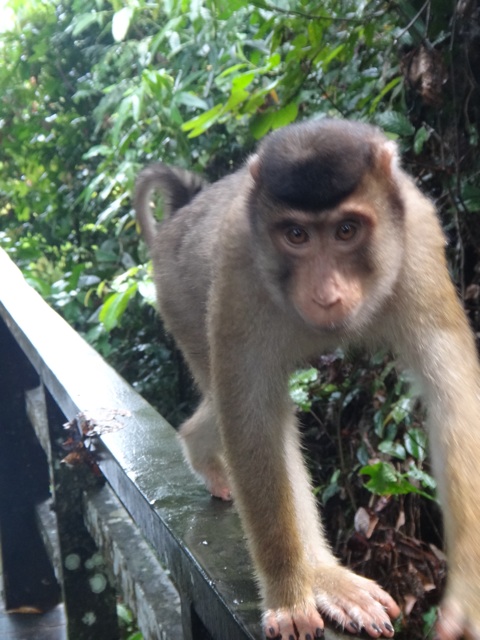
<point>304,623</point>
<point>211,469</point>
<point>215,479</point>
<point>457,620</point>
<point>355,603</point>
<point>218,488</point>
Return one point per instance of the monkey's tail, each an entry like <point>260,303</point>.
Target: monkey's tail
<point>177,186</point>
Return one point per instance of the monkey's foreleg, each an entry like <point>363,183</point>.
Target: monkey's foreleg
<point>298,575</point>
<point>446,359</point>
<point>203,449</point>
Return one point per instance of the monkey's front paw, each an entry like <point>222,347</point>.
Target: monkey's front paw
<point>456,619</point>
<point>355,603</point>
<point>304,623</point>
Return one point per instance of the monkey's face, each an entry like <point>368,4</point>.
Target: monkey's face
<point>328,264</point>
<point>328,198</point>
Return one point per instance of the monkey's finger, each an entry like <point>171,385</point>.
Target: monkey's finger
<point>367,615</point>
<point>305,622</point>
<point>391,607</point>
<point>271,624</point>
<point>284,623</point>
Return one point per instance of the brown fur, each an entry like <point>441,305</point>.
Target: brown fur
<point>321,239</point>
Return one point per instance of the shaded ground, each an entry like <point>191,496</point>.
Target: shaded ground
<point>32,626</point>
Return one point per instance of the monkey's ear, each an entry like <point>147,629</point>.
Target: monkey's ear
<point>388,160</point>
<point>253,164</point>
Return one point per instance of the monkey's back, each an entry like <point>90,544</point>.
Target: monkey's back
<point>185,254</point>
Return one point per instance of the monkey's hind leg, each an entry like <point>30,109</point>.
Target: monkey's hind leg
<point>202,447</point>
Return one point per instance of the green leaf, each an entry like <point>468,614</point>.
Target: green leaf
<point>301,398</point>
<point>334,53</point>
<point>395,122</point>
<point>326,55</point>
<point>299,387</point>
<point>226,8</point>
<point>98,150</point>
<point>237,97</point>
<point>429,618</point>
<point>422,476</point>
<point>233,69</point>
<point>315,32</point>
<point>44,288</point>
<point>124,613</point>
<point>402,409</point>
<point>272,62</point>
<point>83,21</point>
<point>386,89</point>
<point>421,136</point>
<point>471,197</point>
<point>393,449</point>
<point>304,376</point>
<point>363,454</point>
<point>284,116</point>
<point>243,80</point>
<point>329,492</point>
<point>261,125</point>
<point>416,443</point>
<point>391,432</point>
<point>385,480</point>
<point>189,99</point>
<point>121,23</point>
<point>115,306</point>
<point>378,423</point>
<point>146,289</point>
<point>197,126</point>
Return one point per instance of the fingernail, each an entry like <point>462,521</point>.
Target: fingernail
<point>271,631</point>
<point>308,637</point>
<point>374,626</point>
<point>319,633</point>
<point>388,627</point>
<point>353,625</point>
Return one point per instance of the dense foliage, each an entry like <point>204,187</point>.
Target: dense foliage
<point>91,90</point>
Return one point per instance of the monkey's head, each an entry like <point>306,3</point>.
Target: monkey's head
<point>326,204</point>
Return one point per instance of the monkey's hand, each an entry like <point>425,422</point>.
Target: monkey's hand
<point>353,602</point>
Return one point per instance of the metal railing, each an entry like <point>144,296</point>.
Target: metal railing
<point>114,505</point>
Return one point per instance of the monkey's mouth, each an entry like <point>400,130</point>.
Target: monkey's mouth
<point>331,326</point>
<point>335,319</point>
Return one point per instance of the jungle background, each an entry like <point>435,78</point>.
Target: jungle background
<point>92,90</point>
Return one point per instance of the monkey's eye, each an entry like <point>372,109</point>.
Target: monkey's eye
<point>297,235</point>
<point>346,231</point>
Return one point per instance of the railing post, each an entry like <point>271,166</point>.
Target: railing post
<point>29,581</point>
<point>89,597</point>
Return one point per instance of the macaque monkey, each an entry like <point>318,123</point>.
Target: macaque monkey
<point>320,240</point>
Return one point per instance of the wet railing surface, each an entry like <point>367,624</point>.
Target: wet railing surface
<point>174,554</point>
